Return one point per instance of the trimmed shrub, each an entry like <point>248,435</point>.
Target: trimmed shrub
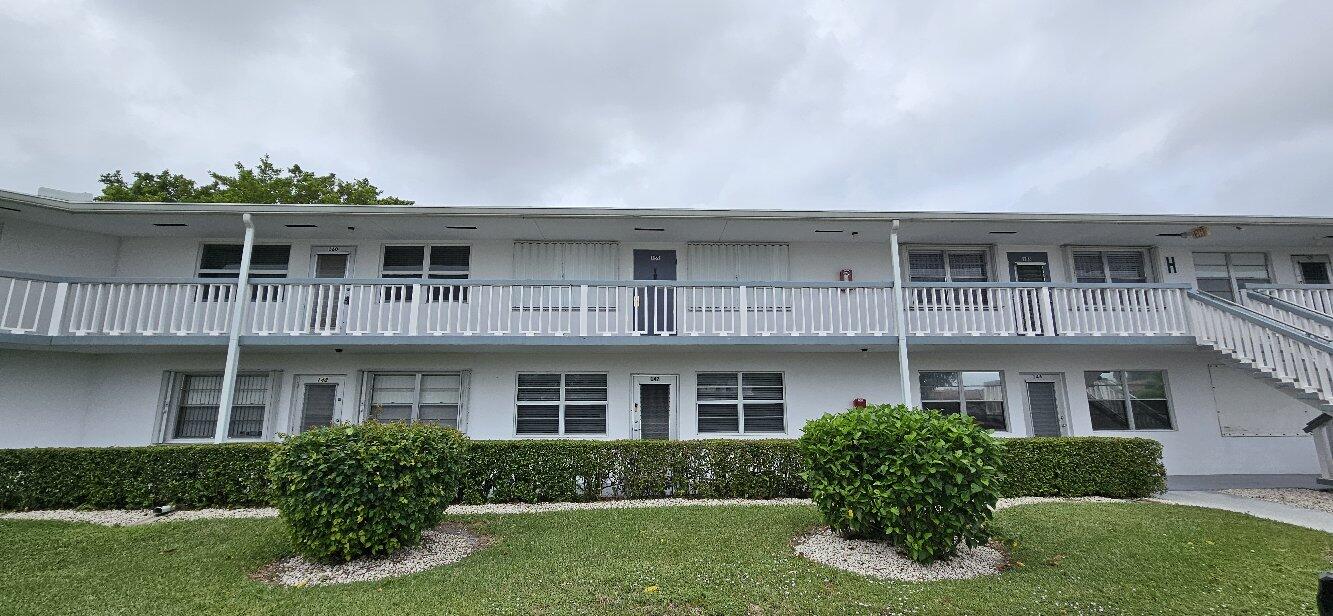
<point>193,476</point>
<point>923,481</point>
<point>364,490</point>
<point>1083,466</point>
<point>190,476</point>
<point>561,470</point>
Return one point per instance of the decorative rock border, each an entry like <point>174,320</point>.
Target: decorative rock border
<point>445,544</point>
<point>880,560</point>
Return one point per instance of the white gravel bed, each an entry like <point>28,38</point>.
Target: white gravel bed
<point>880,560</point>
<point>129,517</point>
<point>1317,500</point>
<point>446,544</point>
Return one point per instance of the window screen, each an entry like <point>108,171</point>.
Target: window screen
<point>1128,400</point>
<point>427,262</point>
<point>224,261</point>
<point>742,402</point>
<point>1110,266</point>
<point>979,395</point>
<point>947,266</point>
<point>414,397</point>
<point>554,403</point>
<point>1223,274</point>
<point>198,397</point>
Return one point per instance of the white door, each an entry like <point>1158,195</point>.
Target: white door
<point>319,401</point>
<point>653,416</point>
<point>329,262</point>
<point>1045,399</point>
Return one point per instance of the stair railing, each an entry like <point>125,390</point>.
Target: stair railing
<point>1291,313</point>
<point>1281,350</point>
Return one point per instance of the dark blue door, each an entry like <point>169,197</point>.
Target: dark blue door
<point>654,306</point>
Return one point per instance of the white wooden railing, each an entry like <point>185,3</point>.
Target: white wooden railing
<point>1284,352</point>
<point>391,307</point>
<point>1309,308</point>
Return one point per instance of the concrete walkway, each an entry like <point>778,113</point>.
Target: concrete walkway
<point>1297,516</point>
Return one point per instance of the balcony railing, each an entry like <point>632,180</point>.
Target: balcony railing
<point>1306,307</point>
<point>488,308</point>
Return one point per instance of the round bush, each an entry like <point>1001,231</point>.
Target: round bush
<point>922,481</point>
<point>348,491</point>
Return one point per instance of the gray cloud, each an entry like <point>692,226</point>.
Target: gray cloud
<point>1072,106</point>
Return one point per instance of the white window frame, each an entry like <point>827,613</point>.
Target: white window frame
<point>740,401</point>
<point>1129,406</point>
<point>201,272</point>
<point>1296,260</point>
<point>962,399</point>
<point>458,295</point>
<point>174,382</point>
<point>368,380</point>
<point>561,403</point>
<point>1236,289</point>
<point>987,250</point>
<point>1149,268</point>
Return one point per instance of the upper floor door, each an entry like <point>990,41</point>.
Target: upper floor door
<point>654,306</point>
<point>1029,267</point>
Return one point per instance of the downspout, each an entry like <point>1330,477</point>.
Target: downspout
<point>900,313</point>
<point>240,301</point>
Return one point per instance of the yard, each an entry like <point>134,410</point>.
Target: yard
<point>1075,558</point>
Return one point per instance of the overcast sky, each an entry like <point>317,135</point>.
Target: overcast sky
<point>1063,106</point>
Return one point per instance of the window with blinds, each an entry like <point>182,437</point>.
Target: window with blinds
<point>1224,274</point>
<point>737,262</point>
<point>415,397</point>
<point>194,406</point>
<point>566,260</point>
<point>741,402</point>
<point>555,403</point>
<point>947,266</point>
<point>1110,266</point>
<point>431,262</point>
<point>224,260</point>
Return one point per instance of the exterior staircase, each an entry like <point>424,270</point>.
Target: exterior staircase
<point>1282,342</point>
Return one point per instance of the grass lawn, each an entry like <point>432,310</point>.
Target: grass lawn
<point>1077,558</point>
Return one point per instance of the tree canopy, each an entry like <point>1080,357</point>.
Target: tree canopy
<point>265,183</point>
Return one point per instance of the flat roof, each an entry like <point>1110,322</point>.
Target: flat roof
<point>14,198</point>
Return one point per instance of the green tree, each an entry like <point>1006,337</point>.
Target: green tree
<point>265,183</point>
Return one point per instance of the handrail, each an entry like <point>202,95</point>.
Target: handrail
<point>1294,308</point>
<point>1261,286</point>
<point>598,283</point>
<point>1263,321</point>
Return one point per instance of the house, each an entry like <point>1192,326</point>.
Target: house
<point>124,323</point>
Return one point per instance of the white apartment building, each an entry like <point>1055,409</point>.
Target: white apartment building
<point>118,322</point>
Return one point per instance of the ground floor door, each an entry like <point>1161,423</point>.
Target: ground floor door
<point>654,410</point>
<point>319,401</point>
<point>1045,404</point>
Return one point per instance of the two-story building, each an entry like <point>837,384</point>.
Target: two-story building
<point>137,323</point>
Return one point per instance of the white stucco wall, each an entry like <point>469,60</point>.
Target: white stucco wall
<point>43,249</point>
<point>114,399</point>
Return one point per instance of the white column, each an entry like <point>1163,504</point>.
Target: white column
<point>239,302</point>
<point>900,313</point>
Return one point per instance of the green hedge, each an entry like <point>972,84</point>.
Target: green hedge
<point>543,471</point>
<point>1083,466</point>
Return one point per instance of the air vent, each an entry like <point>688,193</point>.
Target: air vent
<point>170,224</point>
<point>461,227</point>
<point>1002,232</point>
<point>828,230</point>
<point>1172,234</point>
<point>649,229</point>
<point>301,226</point>
<point>12,209</point>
